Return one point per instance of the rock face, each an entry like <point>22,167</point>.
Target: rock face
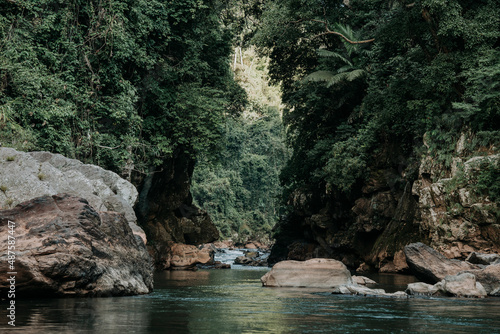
<point>456,218</point>
<point>24,176</point>
<point>401,202</point>
<point>429,265</point>
<point>64,247</point>
<point>314,273</point>
<point>166,211</point>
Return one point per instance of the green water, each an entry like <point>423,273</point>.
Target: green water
<point>233,301</point>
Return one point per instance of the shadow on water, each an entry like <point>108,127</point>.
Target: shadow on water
<point>233,301</point>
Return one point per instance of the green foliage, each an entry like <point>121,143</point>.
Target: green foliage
<point>241,192</point>
<point>432,68</point>
<point>241,189</point>
<point>488,181</point>
<point>118,83</point>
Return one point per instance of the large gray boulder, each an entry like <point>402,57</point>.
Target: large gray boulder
<point>314,273</point>
<point>24,176</point>
<point>460,285</point>
<point>431,266</point>
<point>489,277</point>
<point>65,247</point>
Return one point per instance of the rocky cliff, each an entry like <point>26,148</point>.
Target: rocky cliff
<point>166,212</point>
<point>435,200</point>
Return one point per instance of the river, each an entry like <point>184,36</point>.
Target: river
<point>233,301</point>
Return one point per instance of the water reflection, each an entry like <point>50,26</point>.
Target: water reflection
<point>233,301</point>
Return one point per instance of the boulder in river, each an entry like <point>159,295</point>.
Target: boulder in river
<point>65,247</point>
<point>355,289</point>
<point>362,280</point>
<point>27,175</point>
<point>313,273</point>
<point>186,257</point>
<point>421,289</point>
<point>461,285</point>
<point>431,266</point>
<point>489,277</point>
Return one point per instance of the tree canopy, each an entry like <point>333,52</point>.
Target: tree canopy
<point>361,76</point>
<point>119,83</point>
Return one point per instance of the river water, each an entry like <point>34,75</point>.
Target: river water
<point>233,301</point>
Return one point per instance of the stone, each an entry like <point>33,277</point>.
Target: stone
<point>224,244</point>
<point>186,257</point>
<point>479,258</point>
<point>421,289</point>
<point>313,273</point>
<point>362,280</point>
<point>399,261</point>
<point>251,259</point>
<point>363,268</point>
<point>252,255</point>
<point>431,266</point>
<point>25,176</point>
<point>462,285</point>
<point>64,247</point>
<point>250,245</point>
<point>354,289</point>
<point>489,278</point>
<point>388,268</point>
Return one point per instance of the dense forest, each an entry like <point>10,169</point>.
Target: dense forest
<point>358,75</point>
<point>372,90</point>
<point>122,84</point>
<point>367,91</point>
<point>241,190</point>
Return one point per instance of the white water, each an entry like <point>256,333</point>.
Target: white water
<point>228,256</point>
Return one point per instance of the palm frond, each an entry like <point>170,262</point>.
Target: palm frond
<point>331,54</point>
<point>317,76</point>
<point>345,68</point>
<point>355,74</point>
<point>336,79</point>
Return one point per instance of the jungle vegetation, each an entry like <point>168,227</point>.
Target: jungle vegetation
<point>125,84</point>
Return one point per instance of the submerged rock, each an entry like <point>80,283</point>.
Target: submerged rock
<point>64,247</point>
<point>354,289</point>
<point>314,273</point>
<point>431,266</point>
<point>421,289</point>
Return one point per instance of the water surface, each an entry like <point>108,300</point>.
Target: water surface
<point>233,301</point>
